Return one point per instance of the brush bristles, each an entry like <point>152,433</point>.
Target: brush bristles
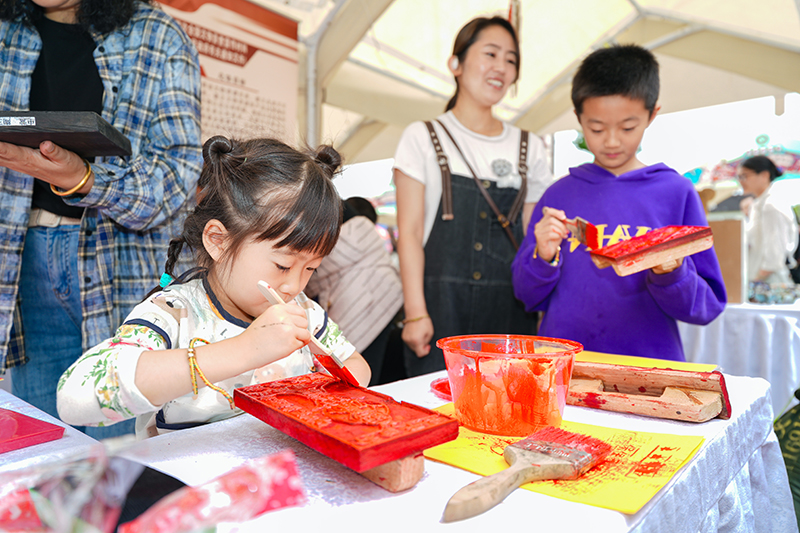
<point>592,238</point>
<point>597,448</point>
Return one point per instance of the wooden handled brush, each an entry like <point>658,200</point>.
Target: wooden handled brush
<point>581,229</point>
<point>550,453</point>
<point>318,350</point>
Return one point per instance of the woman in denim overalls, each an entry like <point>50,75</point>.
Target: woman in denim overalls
<point>455,251</point>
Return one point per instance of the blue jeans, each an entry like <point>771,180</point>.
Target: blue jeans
<point>51,320</point>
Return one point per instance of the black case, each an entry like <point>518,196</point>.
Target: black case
<point>84,132</point>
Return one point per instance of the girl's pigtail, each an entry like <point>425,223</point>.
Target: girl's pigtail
<point>328,159</point>
<point>214,149</point>
<point>173,254</point>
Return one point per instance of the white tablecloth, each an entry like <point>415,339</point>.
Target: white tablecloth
<point>751,340</point>
<point>73,445</point>
<point>736,482</point>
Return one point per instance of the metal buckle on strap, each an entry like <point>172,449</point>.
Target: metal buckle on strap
<point>42,218</point>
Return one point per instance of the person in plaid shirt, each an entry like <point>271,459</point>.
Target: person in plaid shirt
<point>81,242</point>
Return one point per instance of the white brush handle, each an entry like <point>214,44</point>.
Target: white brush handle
<point>483,494</point>
<point>317,348</point>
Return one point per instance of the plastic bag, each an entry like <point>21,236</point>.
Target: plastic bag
<point>261,485</point>
<point>88,493</point>
<point>78,493</point>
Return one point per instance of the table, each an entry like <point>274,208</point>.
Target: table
<point>73,444</point>
<point>736,482</point>
<point>751,340</point>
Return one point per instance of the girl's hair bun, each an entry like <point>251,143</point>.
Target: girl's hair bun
<point>216,146</point>
<point>328,158</point>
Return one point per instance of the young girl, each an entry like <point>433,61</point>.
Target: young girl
<point>455,255</point>
<point>266,212</point>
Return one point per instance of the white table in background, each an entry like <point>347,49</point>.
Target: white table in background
<point>751,340</point>
<point>736,482</point>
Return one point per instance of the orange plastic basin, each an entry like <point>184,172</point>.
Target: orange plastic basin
<point>509,384</point>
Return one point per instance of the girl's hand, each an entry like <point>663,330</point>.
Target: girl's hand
<point>549,232</point>
<point>276,333</point>
<point>418,336</point>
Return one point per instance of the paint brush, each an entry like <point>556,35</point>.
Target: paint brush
<point>320,352</point>
<point>584,231</point>
<point>581,229</point>
<point>550,453</point>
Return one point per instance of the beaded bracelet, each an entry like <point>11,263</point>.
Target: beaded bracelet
<point>554,262</point>
<point>78,186</point>
<point>194,369</point>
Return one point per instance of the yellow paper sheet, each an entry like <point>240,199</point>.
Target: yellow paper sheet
<point>639,465</point>
<point>646,362</point>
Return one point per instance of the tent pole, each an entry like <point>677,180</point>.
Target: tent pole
<point>313,101</point>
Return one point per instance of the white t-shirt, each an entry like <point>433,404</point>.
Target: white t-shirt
<point>416,158</point>
<point>771,234</point>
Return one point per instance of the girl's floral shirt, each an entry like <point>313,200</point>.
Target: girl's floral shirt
<point>99,388</point>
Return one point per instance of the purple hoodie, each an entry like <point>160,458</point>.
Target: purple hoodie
<point>631,315</point>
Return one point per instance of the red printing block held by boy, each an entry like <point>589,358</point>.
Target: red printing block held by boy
<point>614,93</point>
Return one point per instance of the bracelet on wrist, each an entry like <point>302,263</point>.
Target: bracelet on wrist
<point>78,186</point>
<point>415,319</point>
<point>554,262</point>
<point>195,371</point>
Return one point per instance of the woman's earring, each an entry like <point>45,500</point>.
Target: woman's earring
<point>454,63</point>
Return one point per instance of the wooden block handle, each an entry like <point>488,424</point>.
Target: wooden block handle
<point>398,475</point>
<point>483,494</point>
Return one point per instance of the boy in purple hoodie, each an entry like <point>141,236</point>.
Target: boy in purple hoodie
<point>614,93</point>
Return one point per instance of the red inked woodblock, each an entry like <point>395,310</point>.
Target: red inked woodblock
<point>653,248</point>
<point>20,431</point>
<point>357,427</point>
<point>656,392</point>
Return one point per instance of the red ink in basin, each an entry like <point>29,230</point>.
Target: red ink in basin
<point>508,384</point>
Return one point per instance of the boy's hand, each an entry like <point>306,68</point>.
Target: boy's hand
<point>549,232</point>
<point>669,266</point>
<point>276,333</point>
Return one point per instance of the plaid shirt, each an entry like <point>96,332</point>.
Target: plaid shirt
<point>151,82</point>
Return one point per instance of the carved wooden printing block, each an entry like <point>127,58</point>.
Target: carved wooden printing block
<point>360,428</point>
<point>653,248</point>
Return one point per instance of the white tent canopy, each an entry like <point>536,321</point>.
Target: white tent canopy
<point>377,65</point>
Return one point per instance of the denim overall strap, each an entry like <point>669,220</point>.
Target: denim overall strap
<point>504,221</point>
<point>444,168</point>
<point>519,201</point>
